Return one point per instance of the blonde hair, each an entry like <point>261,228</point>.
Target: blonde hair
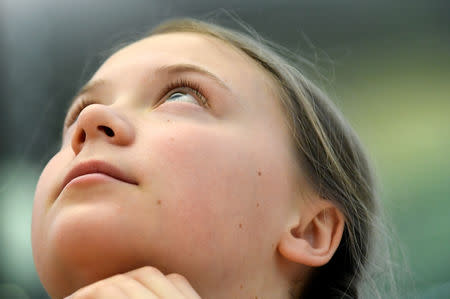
<point>328,150</point>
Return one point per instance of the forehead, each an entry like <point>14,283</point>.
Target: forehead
<point>231,65</point>
<point>192,48</point>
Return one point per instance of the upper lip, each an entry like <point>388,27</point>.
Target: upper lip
<point>97,166</point>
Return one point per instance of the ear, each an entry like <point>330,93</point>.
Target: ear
<point>316,236</point>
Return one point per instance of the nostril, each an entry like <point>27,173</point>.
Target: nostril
<point>108,131</point>
<point>82,136</point>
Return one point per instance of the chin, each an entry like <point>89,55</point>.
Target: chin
<point>82,245</point>
<point>65,268</point>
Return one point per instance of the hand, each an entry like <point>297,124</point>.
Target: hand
<point>143,283</point>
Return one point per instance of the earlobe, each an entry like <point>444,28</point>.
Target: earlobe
<point>314,240</point>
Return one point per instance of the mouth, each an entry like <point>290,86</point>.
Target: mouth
<point>97,167</point>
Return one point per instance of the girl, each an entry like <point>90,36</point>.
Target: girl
<point>197,162</point>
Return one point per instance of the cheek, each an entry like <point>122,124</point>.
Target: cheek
<point>203,163</point>
<point>221,182</point>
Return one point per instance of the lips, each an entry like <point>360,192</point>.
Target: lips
<point>97,167</point>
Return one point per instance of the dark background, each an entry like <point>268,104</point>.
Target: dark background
<point>386,64</point>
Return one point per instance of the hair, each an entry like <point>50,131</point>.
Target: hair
<point>328,151</point>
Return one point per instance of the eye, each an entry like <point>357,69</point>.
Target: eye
<point>75,110</point>
<point>182,97</point>
<point>185,91</point>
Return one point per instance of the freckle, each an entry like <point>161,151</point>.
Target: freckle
<point>259,173</point>
<point>257,204</point>
<point>168,120</point>
<point>172,139</point>
<point>240,225</point>
<point>158,202</point>
<point>241,286</point>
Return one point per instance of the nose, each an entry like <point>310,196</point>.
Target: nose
<point>101,122</point>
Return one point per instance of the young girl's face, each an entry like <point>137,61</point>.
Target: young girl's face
<point>199,172</point>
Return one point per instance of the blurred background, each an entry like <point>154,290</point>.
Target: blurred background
<point>385,63</point>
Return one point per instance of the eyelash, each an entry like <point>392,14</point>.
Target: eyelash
<point>76,110</point>
<point>193,87</point>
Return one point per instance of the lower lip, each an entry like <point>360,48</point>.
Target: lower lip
<point>91,178</point>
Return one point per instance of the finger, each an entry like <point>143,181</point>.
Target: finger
<point>183,285</point>
<point>99,290</point>
<point>132,288</point>
<point>154,280</point>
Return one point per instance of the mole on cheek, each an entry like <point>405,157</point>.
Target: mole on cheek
<point>240,225</point>
<point>158,202</point>
<point>259,172</point>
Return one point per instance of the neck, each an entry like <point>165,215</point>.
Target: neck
<point>280,281</point>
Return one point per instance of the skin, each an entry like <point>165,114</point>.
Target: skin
<point>217,186</point>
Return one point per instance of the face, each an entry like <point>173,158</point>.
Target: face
<point>181,161</point>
